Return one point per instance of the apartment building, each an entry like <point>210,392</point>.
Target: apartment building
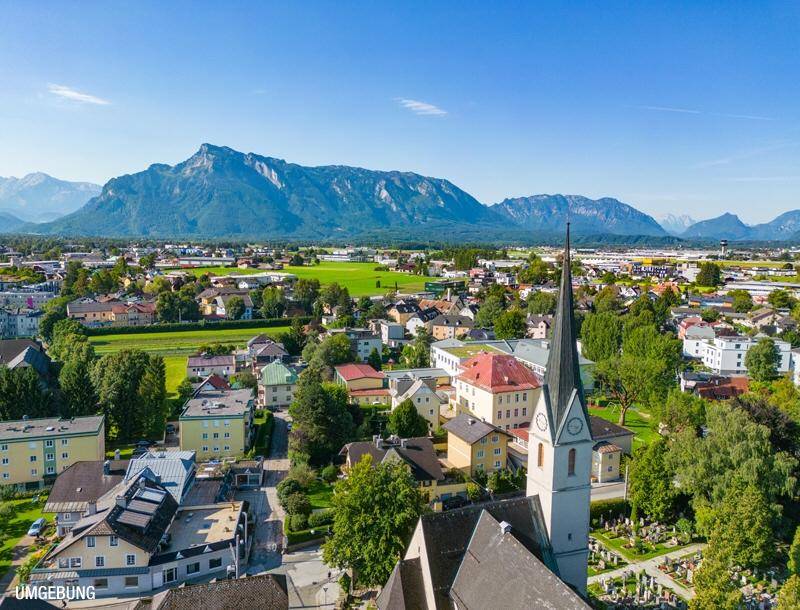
<point>474,445</point>
<point>276,385</point>
<point>726,355</point>
<point>34,451</point>
<point>217,423</point>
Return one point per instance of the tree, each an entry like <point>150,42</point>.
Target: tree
<point>607,300</point>
<point>651,483</point>
<point>783,430</point>
<point>681,411</point>
<point>542,303</point>
<point>306,292</point>
<point>708,314</point>
<point>510,324</point>
<point>629,379</point>
<point>235,308</point>
<point>794,554</point>
<point>601,336</point>
<point>273,302</point>
<point>781,299</point>
<point>153,396</point>
<point>714,589</point>
<point>762,360</point>
<point>491,308</point>
<point>417,354</point>
<point>742,301</point>
<point>23,393</point>
<point>148,261</point>
<point>710,274</point>
<point>406,422</point>
<point>294,339</point>
<point>789,596</point>
<point>334,349</point>
<point>374,512</point>
<point>322,423</point>
<point>75,381</point>
<point>185,391</point>
<point>374,359</point>
<point>54,310</point>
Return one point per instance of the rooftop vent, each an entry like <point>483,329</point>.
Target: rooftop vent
<point>505,527</point>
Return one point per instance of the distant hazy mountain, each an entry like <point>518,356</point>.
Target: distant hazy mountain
<point>784,226</point>
<point>549,213</point>
<point>9,222</point>
<point>730,227</point>
<point>39,197</point>
<point>675,224</point>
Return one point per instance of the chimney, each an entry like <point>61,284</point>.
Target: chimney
<point>505,527</point>
<point>376,439</point>
<point>403,443</point>
<point>142,483</point>
<point>471,421</point>
<point>117,454</point>
<point>91,508</point>
<point>121,501</point>
<point>107,468</point>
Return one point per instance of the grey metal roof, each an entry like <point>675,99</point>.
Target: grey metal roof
<point>470,429</point>
<point>175,469</point>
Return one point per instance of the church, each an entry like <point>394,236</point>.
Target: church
<point>526,552</point>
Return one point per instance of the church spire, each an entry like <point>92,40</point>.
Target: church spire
<point>563,369</point>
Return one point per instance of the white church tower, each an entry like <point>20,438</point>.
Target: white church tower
<point>560,445</point>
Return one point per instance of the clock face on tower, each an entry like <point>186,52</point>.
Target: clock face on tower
<point>541,422</point>
<point>574,426</point>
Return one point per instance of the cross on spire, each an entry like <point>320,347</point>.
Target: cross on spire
<point>563,373</point>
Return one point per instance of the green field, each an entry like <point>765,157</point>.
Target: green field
<point>636,421</point>
<point>24,513</point>
<point>176,346</point>
<point>359,278</point>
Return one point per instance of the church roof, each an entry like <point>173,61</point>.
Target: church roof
<point>563,375</point>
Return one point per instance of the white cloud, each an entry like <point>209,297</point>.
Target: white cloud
<point>727,115</point>
<point>421,108</point>
<point>71,94</point>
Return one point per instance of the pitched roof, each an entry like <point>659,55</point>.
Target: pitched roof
<point>454,321</point>
<point>418,453</point>
<point>498,373</point>
<point>204,360</point>
<point>495,555</point>
<point>470,429</point>
<point>352,371</point>
<point>277,373</point>
<point>603,429</point>
<point>175,470</point>
<point>83,482</point>
<point>405,588</point>
<point>563,375</point>
<point>266,591</point>
<point>13,350</point>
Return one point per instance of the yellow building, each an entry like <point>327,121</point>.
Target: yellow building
<point>217,423</point>
<point>474,445</point>
<point>34,451</point>
<point>364,384</point>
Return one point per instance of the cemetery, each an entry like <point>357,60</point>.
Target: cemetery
<point>639,539</point>
<point>634,590</point>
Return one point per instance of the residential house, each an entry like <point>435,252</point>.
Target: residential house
<point>421,319</point>
<point>604,430</point>
<point>420,456</point>
<point>422,393</point>
<point>217,423</point>
<point>449,326</point>
<point>727,355</point>
<point>81,483</point>
<point>276,385</point>
<point>16,353</point>
<point>606,460</point>
<point>19,322</point>
<point>695,337</point>
<point>362,341</point>
<point>474,445</point>
<point>262,350</point>
<point>174,470</point>
<point>538,327</point>
<point>491,555</point>
<point>392,333</point>
<point>402,311</point>
<point>364,384</point>
<point>34,451</point>
<point>498,389</point>
<point>213,301</point>
<point>205,365</point>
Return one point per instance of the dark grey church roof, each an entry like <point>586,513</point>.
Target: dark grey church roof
<point>563,371</point>
<point>405,589</point>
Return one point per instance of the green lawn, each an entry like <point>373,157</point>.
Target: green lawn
<point>12,530</point>
<point>636,421</point>
<point>320,494</point>
<point>617,544</point>
<point>359,278</point>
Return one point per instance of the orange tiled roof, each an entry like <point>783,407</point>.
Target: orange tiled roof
<point>498,373</point>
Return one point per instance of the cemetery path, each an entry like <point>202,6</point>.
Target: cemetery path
<point>651,567</point>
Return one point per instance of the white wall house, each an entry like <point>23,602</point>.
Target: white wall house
<point>695,340</point>
<point>726,355</point>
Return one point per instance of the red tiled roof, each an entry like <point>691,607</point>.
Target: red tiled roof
<point>520,433</point>
<point>498,373</point>
<point>348,372</point>
<point>370,392</point>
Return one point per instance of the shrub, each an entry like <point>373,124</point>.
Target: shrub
<point>473,492</point>
<point>329,473</point>
<point>298,504</point>
<point>318,519</point>
<point>286,488</point>
<point>298,522</point>
<point>609,509</point>
<point>303,474</point>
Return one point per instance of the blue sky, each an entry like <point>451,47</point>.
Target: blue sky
<point>672,107</point>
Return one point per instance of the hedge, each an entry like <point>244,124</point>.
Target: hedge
<point>200,325</point>
<point>609,508</point>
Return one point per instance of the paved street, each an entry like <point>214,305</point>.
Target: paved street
<point>608,491</point>
<point>651,567</point>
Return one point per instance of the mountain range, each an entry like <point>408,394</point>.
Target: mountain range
<point>675,224</point>
<point>222,193</point>
<point>38,197</point>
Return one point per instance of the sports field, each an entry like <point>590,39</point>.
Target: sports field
<point>176,346</point>
<point>361,279</point>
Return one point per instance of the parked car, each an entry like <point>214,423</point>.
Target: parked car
<point>454,502</point>
<point>144,443</point>
<point>171,429</point>
<point>36,528</point>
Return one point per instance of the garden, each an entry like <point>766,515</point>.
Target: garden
<point>305,495</point>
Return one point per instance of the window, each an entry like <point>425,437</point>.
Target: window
<point>516,412</point>
<point>205,424</point>
<point>34,472</point>
<point>101,583</point>
<point>170,575</point>
<point>113,541</point>
<point>215,563</point>
<point>130,560</point>
<point>99,561</point>
<point>524,411</point>
<point>540,456</point>
<point>205,448</point>
<point>6,475</point>
<point>64,442</point>
<point>131,581</point>
<point>74,562</point>
<point>5,461</point>
<point>227,448</point>
<point>216,449</point>
<point>3,447</point>
<point>50,470</point>
<point>499,415</point>
<point>479,454</point>
<point>48,443</point>
<point>193,568</point>
<point>50,457</point>
<point>495,438</point>
<point>216,435</point>
<point>33,458</point>
<point>508,413</point>
<point>90,541</point>
<point>66,517</point>
<point>483,440</point>
<point>524,397</point>
<point>205,436</point>
<point>64,455</point>
<point>227,435</point>
<point>571,463</point>
<point>63,562</point>
<point>497,464</point>
<point>216,423</point>
<point>497,451</point>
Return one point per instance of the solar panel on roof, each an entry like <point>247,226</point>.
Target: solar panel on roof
<point>136,519</point>
<point>138,506</point>
<point>152,495</point>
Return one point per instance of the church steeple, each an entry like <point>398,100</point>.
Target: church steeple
<point>563,373</point>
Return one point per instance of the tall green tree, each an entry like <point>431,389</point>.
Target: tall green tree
<point>273,302</point>
<point>601,336</point>
<point>710,275</point>
<point>542,303</point>
<point>406,422</point>
<point>75,381</point>
<point>417,354</point>
<point>374,512</point>
<point>22,392</point>
<point>714,589</point>
<point>489,311</point>
<point>306,292</point>
<point>630,379</point>
<point>762,360</point>
<point>789,596</point>
<point>650,482</point>
<point>153,396</point>
<point>510,324</point>
<point>235,308</point>
<point>794,554</point>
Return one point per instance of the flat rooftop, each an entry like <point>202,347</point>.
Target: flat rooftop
<point>29,429</point>
<point>468,351</point>
<point>218,403</point>
<point>198,526</point>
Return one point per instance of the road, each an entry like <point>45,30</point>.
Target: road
<point>608,491</point>
<point>651,567</point>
